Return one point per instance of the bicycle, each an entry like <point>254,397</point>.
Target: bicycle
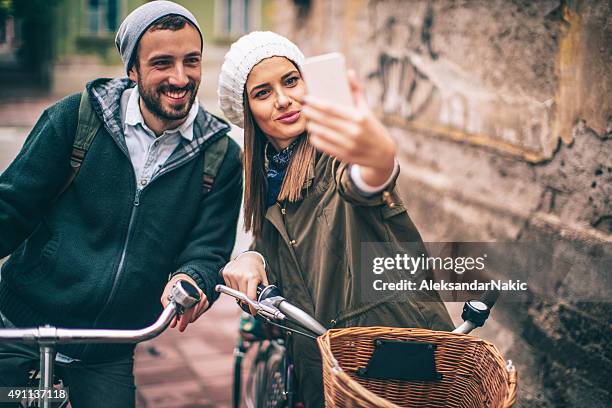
<point>270,377</point>
<point>183,296</point>
<point>360,364</point>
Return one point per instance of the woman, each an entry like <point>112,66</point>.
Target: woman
<point>319,181</point>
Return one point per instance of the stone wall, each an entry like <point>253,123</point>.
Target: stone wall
<point>502,114</point>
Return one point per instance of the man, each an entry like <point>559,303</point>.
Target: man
<point>99,253</point>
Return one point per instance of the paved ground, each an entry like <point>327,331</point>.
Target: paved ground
<point>190,369</point>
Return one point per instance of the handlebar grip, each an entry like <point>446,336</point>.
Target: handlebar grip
<point>490,297</point>
<point>190,289</point>
<point>476,312</point>
<point>184,294</point>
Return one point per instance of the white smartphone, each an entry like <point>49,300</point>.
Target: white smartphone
<point>325,78</point>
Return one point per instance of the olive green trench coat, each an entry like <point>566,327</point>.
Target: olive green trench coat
<point>313,247</point>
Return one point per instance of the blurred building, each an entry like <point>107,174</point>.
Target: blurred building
<point>58,45</point>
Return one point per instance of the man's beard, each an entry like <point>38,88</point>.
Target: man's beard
<point>152,100</point>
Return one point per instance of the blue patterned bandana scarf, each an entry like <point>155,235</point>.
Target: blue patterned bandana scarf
<point>277,167</point>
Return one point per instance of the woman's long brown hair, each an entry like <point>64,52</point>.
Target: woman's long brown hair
<point>256,184</point>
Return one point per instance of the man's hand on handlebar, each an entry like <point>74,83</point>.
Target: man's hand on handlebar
<point>190,315</point>
<point>245,272</point>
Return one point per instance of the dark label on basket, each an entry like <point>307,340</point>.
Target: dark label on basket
<point>401,360</point>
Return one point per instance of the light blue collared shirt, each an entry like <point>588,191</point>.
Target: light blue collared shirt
<point>149,152</point>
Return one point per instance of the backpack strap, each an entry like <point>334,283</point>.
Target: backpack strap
<point>87,128</point>
<point>213,157</point>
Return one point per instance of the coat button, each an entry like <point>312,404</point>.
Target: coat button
<point>387,199</point>
<point>292,242</point>
<point>283,211</point>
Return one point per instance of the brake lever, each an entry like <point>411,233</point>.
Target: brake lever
<point>265,308</point>
<point>269,310</point>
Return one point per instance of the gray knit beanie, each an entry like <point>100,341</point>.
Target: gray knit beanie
<point>243,55</point>
<point>139,20</point>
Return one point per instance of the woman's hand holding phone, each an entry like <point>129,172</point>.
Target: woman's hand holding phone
<point>353,134</point>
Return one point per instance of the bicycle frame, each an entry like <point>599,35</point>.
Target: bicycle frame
<point>183,296</point>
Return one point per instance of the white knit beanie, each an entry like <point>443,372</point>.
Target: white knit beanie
<point>243,55</point>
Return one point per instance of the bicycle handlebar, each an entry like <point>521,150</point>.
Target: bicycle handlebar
<point>476,312</point>
<point>274,306</point>
<point>490,297</point>
<point>294,313</point>
<point>302,318</point>
<point>182,296</point>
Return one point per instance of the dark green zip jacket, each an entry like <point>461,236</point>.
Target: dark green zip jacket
<point>102,253</point>
<point>314,251</point>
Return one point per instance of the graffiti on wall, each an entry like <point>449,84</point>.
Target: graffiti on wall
<point>416,83</point>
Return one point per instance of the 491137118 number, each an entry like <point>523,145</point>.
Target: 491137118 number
<point>12,394</point>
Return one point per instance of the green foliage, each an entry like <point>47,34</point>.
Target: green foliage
<point>6,7</point>
<point>36,18</point>
<point>33,10</point>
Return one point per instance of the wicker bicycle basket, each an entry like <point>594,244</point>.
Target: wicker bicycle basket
<point>474,374</point>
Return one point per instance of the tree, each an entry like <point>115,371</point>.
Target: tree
<point>36,18</point>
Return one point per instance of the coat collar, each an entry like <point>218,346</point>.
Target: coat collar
<point>105,96</point>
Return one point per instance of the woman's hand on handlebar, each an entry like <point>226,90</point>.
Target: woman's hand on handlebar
<point>190,315</point>
<point>245,272</point>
